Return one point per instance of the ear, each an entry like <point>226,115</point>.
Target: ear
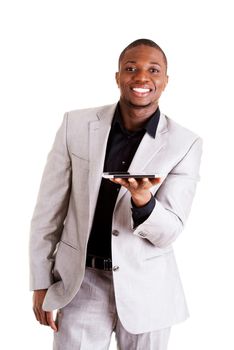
<point>166,82</point>
<point>117,78</point>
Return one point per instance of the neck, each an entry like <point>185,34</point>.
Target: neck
<point>134,118</point>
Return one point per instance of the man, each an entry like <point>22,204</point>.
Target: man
<point>101,251</point>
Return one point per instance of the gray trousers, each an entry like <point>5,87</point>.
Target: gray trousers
<point>89,320</point>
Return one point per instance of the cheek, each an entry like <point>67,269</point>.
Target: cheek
<point>122,86</point>
<point>160,85</point>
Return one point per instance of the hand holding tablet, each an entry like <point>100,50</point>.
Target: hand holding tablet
<point>138,184</point>
<point>127,175</point>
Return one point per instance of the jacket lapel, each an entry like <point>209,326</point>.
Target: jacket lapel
<point>98,136</point>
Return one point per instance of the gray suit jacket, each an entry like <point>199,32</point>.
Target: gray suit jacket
<point>148,290</point>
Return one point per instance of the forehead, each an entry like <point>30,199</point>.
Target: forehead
<point>143,53</point>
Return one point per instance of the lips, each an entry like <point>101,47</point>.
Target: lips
<point>141,91</point>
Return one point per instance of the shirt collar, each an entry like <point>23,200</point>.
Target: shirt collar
<point>150,127</point>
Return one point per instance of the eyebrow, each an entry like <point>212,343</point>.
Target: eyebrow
<point>156,63</point>
<point>131,61</point>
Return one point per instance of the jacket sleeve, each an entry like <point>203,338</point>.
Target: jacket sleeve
<point>50,211</point>
<point>173,200</point>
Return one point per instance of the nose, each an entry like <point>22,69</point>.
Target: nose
<point>141,76</point>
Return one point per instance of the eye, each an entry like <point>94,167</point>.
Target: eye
<point>130,69</point>
<point>154,70</point>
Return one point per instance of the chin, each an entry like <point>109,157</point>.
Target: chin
<point>142,105</point>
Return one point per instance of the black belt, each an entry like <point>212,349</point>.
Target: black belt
<point>100,263</point>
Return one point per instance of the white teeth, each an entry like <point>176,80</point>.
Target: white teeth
<point>141,90</point>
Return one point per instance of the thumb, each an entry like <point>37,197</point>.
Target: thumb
<point>50,320</point>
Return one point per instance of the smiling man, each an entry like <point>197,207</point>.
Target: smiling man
<point>101,251</point>
<point>142,77</point>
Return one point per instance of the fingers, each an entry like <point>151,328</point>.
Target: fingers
<point>132,183</point>
<point>119,181</point>
<point>147,183</point>
<point>142,184</point>
<point>155,181</point>
<point>38,298</point>
<point>40,316</point>
<point>44,317</point>
<point>36,313</point>
<point>50,321</point>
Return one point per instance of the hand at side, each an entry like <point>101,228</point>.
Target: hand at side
<point>44,317</point>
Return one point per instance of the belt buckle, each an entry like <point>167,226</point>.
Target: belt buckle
<point>107,264</point>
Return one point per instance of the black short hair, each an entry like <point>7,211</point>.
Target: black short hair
<point>146,42</point>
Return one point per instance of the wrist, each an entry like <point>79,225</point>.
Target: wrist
<point>141,200</point>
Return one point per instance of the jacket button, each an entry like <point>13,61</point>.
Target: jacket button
<point>142,234</point>
<point>115,232</point>
<point>115,268</point>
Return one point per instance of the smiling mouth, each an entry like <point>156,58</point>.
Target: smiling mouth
<point>139,91</point>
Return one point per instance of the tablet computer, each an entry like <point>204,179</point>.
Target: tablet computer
<point>126,175</point>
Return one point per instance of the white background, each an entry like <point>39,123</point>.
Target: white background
<point>62,55</point>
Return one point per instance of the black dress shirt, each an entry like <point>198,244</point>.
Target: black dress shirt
<point>121,147</point>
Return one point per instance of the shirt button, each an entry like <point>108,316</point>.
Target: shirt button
<point>115,233</point>
<point>142,234</point>
<point>123,162</point>
<point>115,268</point>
